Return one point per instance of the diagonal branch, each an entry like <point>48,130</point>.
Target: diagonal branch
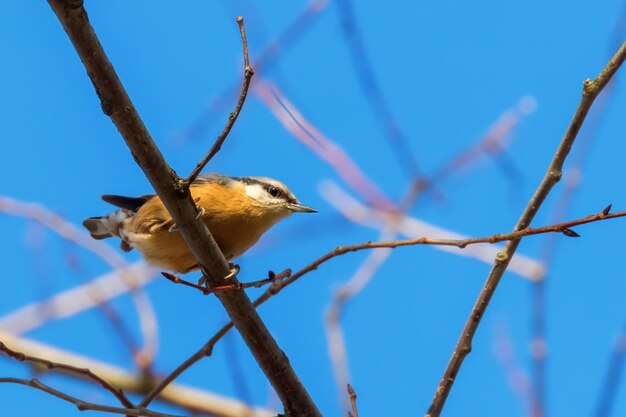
<point>232,118</point>
<point>174,192</point>
<point>84,405</point>
<point>188,398</point>
<point>591,89</point>
<point>207,349</point>
<point>21,357</point>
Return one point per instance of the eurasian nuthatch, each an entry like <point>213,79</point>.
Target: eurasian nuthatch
<point>237,211</point>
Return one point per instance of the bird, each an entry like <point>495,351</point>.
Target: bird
<point>236,210</point>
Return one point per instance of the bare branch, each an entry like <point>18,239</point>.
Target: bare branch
<point>572,181</point>
<point>204,351</point>
<point>413,228</point>
<point>207,349</point>
<point>183,396</point>
<point>148,324</point>
<point>352,394</point>
<point>269,56</point>
<point>272,278</point>
<point>232,118</point>
<point>84,405</point>
<point>21,357</point>
<point>464,345</point>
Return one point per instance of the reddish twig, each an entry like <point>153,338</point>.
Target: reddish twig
<point>591,89</point>
<point>352,394</point>
<point>272,278</point>
<point>232,118</point>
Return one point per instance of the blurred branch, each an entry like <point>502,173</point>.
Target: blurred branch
<point>373,92</point>
<point>71,233</point>
<point>517,378</point>
<point>178,395</point>
<point>573,177</point>
<point>232,118</point>
<point>334,332</point>
<point>412,228</point>
<point>613,377</point>
<point>75,300</point>
<point>464,345</point>
<point>270,55</point>
<point>494,142</point>
<point>323,147</point>
<point>174,193</point>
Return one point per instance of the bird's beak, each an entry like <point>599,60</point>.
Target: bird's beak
<point>300,208</point>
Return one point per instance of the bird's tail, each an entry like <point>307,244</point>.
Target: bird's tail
<point>108,226</point>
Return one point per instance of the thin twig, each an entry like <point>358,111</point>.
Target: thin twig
<point>204,351</point>
<point>84,405</point>
<point>352,394</point>
<point>207,349</point>
<point>21,357</point>
<point>411,228</point>
<point>272,278</point>
<point>232,118</point>
<point>464,345</point>
<point>191,399</point>
<point>267,58</point>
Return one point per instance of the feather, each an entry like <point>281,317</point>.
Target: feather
<point>128,203</point>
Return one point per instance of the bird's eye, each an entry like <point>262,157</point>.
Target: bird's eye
<point>274,192</point>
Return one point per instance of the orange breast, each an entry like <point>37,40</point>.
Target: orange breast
<point>234,221</point>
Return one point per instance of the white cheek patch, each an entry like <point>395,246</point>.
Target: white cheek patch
<point>256,192</point>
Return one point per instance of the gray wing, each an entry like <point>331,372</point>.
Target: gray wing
<point>214,178</point>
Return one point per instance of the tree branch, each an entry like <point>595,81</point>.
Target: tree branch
<point>84,405</point>
<point>591,89</point>
<point>21,357</point>
<point>207,349</point>
<point>232,118</point>
<point>181,396</point>
<point>175,195</point>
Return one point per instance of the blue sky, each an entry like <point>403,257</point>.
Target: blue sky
<point>448,71</point>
